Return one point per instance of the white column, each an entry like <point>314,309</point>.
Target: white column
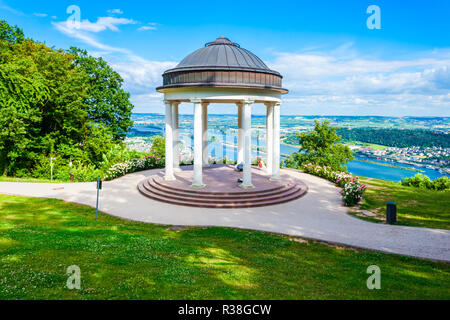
<point>276,143</point>
<point>198,176</point>
<point>176,138</point>
<point>240,152</point>
<point>269,137</point>
<point>247,132</point>
<point>169,143</point>
<point>205,134</point>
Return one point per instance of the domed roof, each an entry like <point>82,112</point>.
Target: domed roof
<point>222,53</point>
<point>224,64</point>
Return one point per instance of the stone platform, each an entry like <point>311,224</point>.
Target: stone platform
<point>222,188</point>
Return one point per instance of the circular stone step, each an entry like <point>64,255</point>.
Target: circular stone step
<point>222,189</point>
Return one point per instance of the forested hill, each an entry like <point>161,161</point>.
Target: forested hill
<point>400,138</point>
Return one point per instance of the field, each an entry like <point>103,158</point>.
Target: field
<point>40,238</point>
<point>366,145</point>
<point>416,207</point>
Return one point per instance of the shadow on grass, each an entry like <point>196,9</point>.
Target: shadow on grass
<point>127,260</point>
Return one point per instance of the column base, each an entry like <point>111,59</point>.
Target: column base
<point>206,165</point>
<point>176,170</point>
<point>170,178</point>
<point>275,178</point>
<point>246,186</point>
<point>196,185</point>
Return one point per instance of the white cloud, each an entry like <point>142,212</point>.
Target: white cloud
<point>86,37</point>
<point>351,83</point>
<point>12,10</point>
<point>115,11</point>
<point>104,23</point>
<point>141,76</point>
<point>145,28</point>
<point>339,81</point>
<point>40,15</point>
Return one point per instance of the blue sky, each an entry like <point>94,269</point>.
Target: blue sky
<point>331,62</point>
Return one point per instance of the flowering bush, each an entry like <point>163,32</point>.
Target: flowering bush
<point>122,168</point>
<point>352,191</point>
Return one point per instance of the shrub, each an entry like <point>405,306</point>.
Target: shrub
<point>321,146</point>
<point>123,168</point>
<point>116,154</point>
<point>352,191</point>
<point>421,181</point>
<point>158,148</point>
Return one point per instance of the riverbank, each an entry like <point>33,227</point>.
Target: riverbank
<point>389,165</point>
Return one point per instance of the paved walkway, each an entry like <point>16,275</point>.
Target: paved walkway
<point>318,215</point>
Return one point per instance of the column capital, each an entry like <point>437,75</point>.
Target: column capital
<point>172,102</point>
<point>205,104</point>
<point>271,103</point>
<point>196,100</point>
<point>248,101</point>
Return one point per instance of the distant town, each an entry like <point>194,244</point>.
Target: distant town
<point>436,158</point>
<point>358,133</point>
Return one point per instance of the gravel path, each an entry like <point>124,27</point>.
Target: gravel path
<point>318,215</point>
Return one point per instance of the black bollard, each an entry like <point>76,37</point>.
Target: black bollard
<point>391,212</point>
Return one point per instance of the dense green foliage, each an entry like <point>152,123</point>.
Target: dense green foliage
<point>421,181</point>
<point>322,147</point>
<point>158,148</point>
<point>119,259</point>
<point>400,138</point>
<point>415,206</point>
<point>56,104</point>
<point>122,168</point>
<point>107,102</point>
<point>10,33</point>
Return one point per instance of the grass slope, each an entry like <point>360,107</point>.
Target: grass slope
<point>415,206</point>
<point>40,238</point>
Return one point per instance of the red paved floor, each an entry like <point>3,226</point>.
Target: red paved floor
<point>222,188</point>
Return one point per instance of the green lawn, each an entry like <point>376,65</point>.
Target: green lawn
<point>415,206</point>
<point>366,145</point>
<point>40,238</point>
<point>35,180</point>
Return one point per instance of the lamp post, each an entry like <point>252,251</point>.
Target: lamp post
<point>51,169</point>
<point>70,170</point>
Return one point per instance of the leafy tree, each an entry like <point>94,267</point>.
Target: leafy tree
<point>41,94</point>
<point>320,146</point>
<point>43,109</point>
<point>107,102</point>
<point>158,148</point>
<point>10,33</point>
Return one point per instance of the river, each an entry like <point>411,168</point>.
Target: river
<point>218,149</point>
<point>356,167</point>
